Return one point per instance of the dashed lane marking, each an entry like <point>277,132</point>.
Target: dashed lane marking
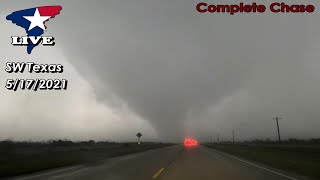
<point>158,173</point>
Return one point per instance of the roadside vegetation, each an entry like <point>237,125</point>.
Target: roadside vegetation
<point>18,158</point>
<point>293,155</point>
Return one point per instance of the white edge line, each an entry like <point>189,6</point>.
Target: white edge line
<point>69,174</point>
<point>43,174</point>
<point>256,165</point>
<point>130,157</point>
<point>52,172</point>
<point>80,170</point>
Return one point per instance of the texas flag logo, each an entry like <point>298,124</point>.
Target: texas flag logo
<point>33,21</point>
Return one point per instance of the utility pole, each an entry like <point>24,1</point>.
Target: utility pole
<point>218,139</point>
<point>233,136</point>
<point>277,119</point>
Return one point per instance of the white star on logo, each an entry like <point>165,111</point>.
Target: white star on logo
<point>37,20</point>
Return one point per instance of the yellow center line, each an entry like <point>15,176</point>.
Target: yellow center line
<point>158,173</point>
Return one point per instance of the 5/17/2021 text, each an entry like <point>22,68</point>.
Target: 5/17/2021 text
<point>36,84</point>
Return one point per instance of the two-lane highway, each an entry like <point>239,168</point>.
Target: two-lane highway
<point>170,163</point>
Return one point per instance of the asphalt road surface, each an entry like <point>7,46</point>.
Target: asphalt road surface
<point>170,163</point>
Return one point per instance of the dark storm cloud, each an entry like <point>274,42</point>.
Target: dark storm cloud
<point>166,61</point>
<point>157,57</point>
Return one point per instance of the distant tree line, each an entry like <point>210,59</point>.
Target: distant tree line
<point>288,141</point>
<point>51,143</point>
<point>7,144</point>
<point>293,141</point>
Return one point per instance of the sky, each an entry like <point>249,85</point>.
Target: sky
<point>167,71</point>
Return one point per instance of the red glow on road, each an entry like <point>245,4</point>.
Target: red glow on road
<point>190,142</point>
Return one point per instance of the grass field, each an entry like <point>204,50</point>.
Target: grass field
<point>304,160</point>
<point>17,159</point>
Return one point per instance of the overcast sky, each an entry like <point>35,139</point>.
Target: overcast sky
<point>162,68</point>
